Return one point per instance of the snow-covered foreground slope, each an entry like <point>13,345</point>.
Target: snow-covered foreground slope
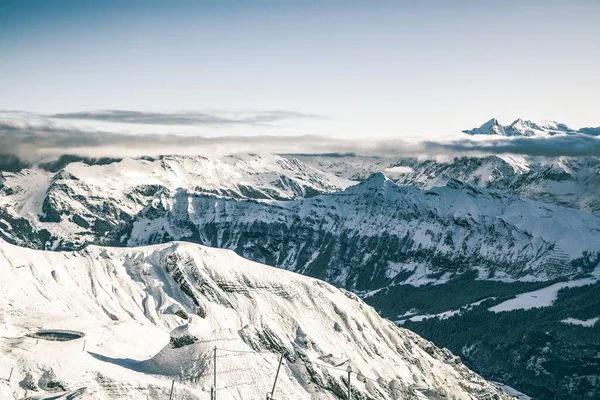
<point>126,301</point>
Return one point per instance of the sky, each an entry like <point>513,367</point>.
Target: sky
<point>351,69</point>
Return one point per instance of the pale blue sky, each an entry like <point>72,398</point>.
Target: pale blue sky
<point>372,68</point>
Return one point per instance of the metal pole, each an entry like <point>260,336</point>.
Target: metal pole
<point>9,375</point>
<point>215,371</point>
<point>172,385</point>
<point>83,346</point>
<point>277,375</point>
<point>349,369</point>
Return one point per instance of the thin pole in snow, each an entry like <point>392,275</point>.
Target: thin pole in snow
<point>10,375</point>
<point>349,369</point>
<point>277,375</point>
<point>172,385</point>
<point>83,346</point>
<point>215,371</point>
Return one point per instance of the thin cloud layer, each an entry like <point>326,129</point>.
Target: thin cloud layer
<point>32,142</point>
<point>184,118</point>
<point>579,145</point>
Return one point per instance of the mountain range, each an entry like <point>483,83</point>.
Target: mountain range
<point>496,257</point>
<point>521,127</point>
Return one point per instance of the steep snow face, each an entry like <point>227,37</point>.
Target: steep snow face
<point>125,302</point>
<point>377,233</point>
<point>521,127</point>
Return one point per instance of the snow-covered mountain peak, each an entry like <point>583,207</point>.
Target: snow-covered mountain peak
<point>554,126</point>
<point>377,180</point>
<point>378,184</point>
<point>491,127</point>
<point>521,127</point>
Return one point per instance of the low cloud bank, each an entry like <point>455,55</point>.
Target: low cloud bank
<point>573,145</point>
<point>32,142</point>
<point>215,118</point>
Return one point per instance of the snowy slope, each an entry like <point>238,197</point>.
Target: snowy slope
<point>540,298</point>
<point>126,301</point>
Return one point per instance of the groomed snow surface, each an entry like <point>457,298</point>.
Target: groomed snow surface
<point>127,301</point>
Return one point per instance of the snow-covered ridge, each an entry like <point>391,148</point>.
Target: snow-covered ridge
<point>129,181</point>
<point>127,300</point>
<point>521,127</point>
<point>101,198</point>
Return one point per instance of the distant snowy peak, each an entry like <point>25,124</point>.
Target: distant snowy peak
<point>491,127</point>
<point>521,127</point>
<point>554,126</point>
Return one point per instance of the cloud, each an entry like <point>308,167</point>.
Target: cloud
<point>573,145</point>
<point>591,131</point>
<point>215,118</point>
<point>398,170</point>
<point>32,140</point>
